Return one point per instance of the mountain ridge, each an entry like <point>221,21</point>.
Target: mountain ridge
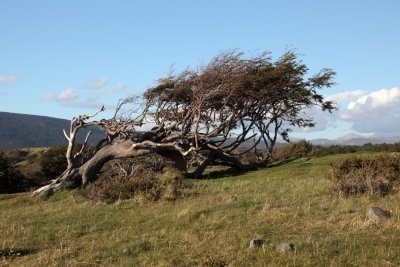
<point>25,131</point>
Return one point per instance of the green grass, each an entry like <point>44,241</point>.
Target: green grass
<point>211,225</point>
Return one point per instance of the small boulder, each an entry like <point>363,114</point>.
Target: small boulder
<point>378,215</point>
<point>285,247</point>
<point>256,243</point>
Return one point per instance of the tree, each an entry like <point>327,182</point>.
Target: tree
<point>202,116</point>
<point>53,161</point>
<point>11,180</point>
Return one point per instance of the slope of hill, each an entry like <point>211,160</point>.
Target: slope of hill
<point>353,139</point>
<point>23,131</point>
<point>211,225</point>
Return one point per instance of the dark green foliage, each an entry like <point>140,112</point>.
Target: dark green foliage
<point>365,175</point>
<point>54,162</point>
<point>319,151</point>
<point>11,180</point>
<point>304,148</point>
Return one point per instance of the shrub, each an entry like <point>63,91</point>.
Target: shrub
<point>124,179</point>
<point>299,149</point>
<point>365,175</point>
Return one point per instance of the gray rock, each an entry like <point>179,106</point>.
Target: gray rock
<point>256,243</point>
<point>285,247</point>
<point>378,215</point>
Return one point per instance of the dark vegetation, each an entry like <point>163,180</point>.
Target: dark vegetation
<point>337,149</point>
<point>304,148</point>
<point>53,161</point>
<point>11,179</point>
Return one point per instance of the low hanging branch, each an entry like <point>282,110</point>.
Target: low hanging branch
<point>201,117</point>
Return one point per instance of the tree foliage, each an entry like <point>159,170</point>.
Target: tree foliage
<point>11,180</point>
<point>217,107</point>
<point>53,161</point>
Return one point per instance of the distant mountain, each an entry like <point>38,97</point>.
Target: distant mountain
<point>353,139</point>
<point>23,131</point>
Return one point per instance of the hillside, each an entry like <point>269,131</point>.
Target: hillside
<point>24,131</point>
<point>211,225</point>
<point>353,139</point>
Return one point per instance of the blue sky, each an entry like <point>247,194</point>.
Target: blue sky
<point>65,58</point>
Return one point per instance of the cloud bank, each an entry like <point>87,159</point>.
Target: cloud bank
<point>377,112</point>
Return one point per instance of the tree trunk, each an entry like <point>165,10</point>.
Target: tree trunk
<point>85,174</point>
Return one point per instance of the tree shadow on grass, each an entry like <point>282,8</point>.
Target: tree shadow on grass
<point>280,163</point>
<point>8,253</point>
<point>8,196</point>
<point>232,172</point>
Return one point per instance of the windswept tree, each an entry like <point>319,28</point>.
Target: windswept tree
<point>200,117</point>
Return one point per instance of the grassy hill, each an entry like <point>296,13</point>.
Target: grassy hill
<point>21,131</point>
<point>211,225</point>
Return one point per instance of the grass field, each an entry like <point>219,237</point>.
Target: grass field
<point>211,225</point>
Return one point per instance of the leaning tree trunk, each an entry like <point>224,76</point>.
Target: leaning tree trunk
<point>83,175</point>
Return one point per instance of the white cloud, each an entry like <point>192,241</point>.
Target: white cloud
<point>323,119</point>
<point>5,79</point>
<point>348,95</point>
<point>118,87</point>
<point>377,112</point>
<point>96,83</point>
<point>48,97</point>
<point>114,89</point>
<point>67,95</point>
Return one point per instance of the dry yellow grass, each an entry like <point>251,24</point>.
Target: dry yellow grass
<point>211,225</point>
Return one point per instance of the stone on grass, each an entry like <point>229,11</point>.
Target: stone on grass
<point>378,215</point>
<point>256,243</point>
<point>285,247</point>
